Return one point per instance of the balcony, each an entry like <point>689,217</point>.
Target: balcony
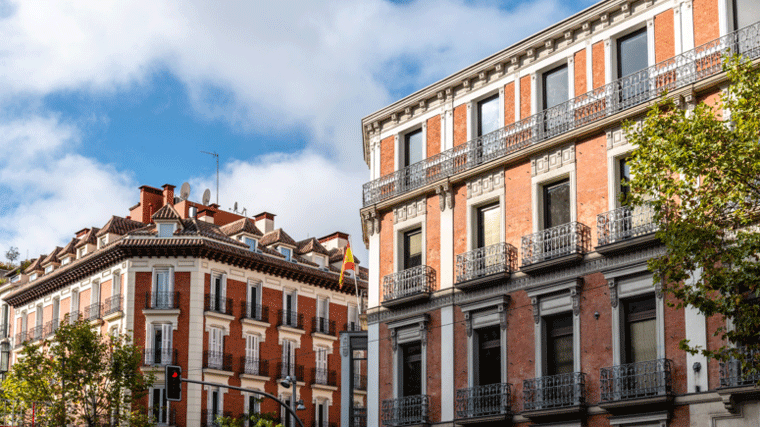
<point>583,111</point>
<point>159,356</point>
<point>407,286</point>
<point>554,247</point>
<point>35,333</point>
<point>352,327</point>
<point>290,319</point>
<point>636,386</point>
<point>256,312</point>
<point>324,326</point>
<point>737,383</point>
<point>290,369</point>
<point>360,382</point>
<point>326,377</point>
<point>208,419</point>
<point>92,312</point>
<point>555,396</point>
<point>253,366</point>
<point>406,411</point>
<point>360,416</point>
<point>217,304</point>
<point>485,266</point>
<point>217,360</point>
<point>485,403</point>
<point>20,339</point>
<point>50,328</point>
<point>161,300</point>
<point>624,228</point>
<point>162,415</point>
<point>112,305</point>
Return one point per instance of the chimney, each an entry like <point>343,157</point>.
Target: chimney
<point>264,222</point>
<point>81,233</point>
<point>337,240</point>
<point>168,194</point>
<point>206,215</point>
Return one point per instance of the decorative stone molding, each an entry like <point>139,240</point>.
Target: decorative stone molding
<point>626,9</point>
<point>658,290</point>
<point>536,310</point>
<point>503,317</point>
<point>371,221</point>
<point>485,184</point>
<point>575,294</point>
<point>616,137</point>
<point>612,283</point>
<point>423,105</point>
<point>394,118</point>
<point>553,160</point>
<point>468,323</point>
<point>445,196</point>
<point>394,340</point>
<point>411,210</point>
<point>569,35</point>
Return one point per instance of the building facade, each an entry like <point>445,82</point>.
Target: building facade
<point>232,300</point>
<point>508,283</point>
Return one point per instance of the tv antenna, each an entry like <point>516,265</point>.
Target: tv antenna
<point>184,191</point>
<point>206,197</point>
<point>216,155</point>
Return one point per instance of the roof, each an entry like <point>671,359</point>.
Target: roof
<point>89,238</point>
<point>167,212</point>
<point>35,265</point>
<point>243,225</point>
<point>69,248</point>
<point>337,254</point>
<point>277,236</point>
<point>119,225</point>
<point>196,227</point>
<point>53,257</point>
<point>312,245</point>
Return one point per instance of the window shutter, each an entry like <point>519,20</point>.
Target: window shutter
<point>166,337</point>
<point>170,282</point>
<point>116,284</point>
<point>224,287</point>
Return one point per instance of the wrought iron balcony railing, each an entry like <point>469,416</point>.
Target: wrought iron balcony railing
<point>732,374</point>
<point>50,328</point>
<point>352,327</point>
<point>636,380</point>
<point>360,416</point>
<point>290,318</point>
<point>484,401</point>
<point>500,258</point>
<point>624,224</point>
<point>217,360</point>
<point>555,391</point>
<point>290,369</point>
<point>324,377</point>
<point>20,339</point>
<point>622,94</point>
<point>161,300</point>
<point>92,311</point>
<point>159,356</point>
<point>360,382</point>
<point>323,326</point>
<point>34,334</point>
<point>406,410</point>
<point>112,305</point>
<point>209,419</point>
<point>217,304</point>
<point>254,366</point>
<point>162,415</point>
<point>415,280</point>
<point>556,242</point>
<point>254,311</point>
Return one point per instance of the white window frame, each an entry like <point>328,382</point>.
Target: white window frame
<point>49,269</point>
<point>473,113</point>
<point>407,331</point>
<point>102,241</point>
<point>251,242</point>
<point>352,316</point>
<point>167,332</point>
<point>162,397</point>
<point>65,260</point>
<point>537,186</point>
<point>285,293</point>
<point>165,229</point>
<point>74,306</point>
<point>82,252</point>
<point>478,202</point>
<point>400,143</point>
<point>325,412</point>
<point>33,277</point>
<point>116,283</point>
<point>286,252</point>
<point>289,356</point>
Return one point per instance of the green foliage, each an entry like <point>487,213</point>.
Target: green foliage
<point>700,171</point>
<point>80,377</point>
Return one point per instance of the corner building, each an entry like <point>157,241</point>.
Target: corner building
<point>232,300</point>
<point>508,284</point>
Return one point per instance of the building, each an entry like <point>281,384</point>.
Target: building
<point>230,299</point>
<point>507,282</point>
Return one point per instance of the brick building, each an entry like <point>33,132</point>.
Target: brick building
<point>508,284</point>
<point>230,299</point>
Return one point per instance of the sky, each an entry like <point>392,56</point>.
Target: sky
<point>98,98</point>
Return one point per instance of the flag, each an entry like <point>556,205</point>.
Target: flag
<point>348,262</point>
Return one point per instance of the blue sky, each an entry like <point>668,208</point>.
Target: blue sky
<point>99,98</point>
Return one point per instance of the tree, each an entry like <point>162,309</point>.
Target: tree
<point>80,377</point>
<point>700,171</point>
<point>11,255</point>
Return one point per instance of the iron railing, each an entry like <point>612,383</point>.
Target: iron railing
<point>483,401</point>
<point>324,377</point>
<point>415,280</point>
<point>34,334</point>
<point>482,262</point>
<point>352,327</point>
<point>112,305</point>
<point>323,326</point>
<point>625,223</point>
<point>209,419</point>
<point>732,374</point>
<point>92,311</point>
<point>217,360</point>
<point>290,318</point>
<point>159,356</point>
<point>556,242</point>
<point>360,382</point>
<point>254,311</point>
<point>360,416</point>
<point>624,93</point>
<point>406,410</point>
<point>555,391</point>
<point>254,366</point>
<point>50,328</point>
<point>161,300</point>
<point>217,304</point>
<point>162,415</point>
<point>636,380</point>
<point>290,369</point>
<point>20,339</point>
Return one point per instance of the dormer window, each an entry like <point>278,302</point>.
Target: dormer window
<point>102,241</point>
<point>33,277</point>
<point>287,252</point>
<point>250,242</point>
<point>82,252</point>
<point>65,260</point>
<point>15,278</point>
<point>165,230</point>
<point>48,269</point>
<point>319,260</point>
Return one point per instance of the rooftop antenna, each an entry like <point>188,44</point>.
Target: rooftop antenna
<point>234,209</point>
<point>184,191</point>
<point>206,197</point>
<point>216,155</point>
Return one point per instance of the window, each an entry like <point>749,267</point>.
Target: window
<point>488,225</point>
<point>252,354</point>
<point>48,269</point>
<point>214,406</point>
<point>323,314</point>
<point>218,292</point>
<point>413,148</point>
<point>412,249</point>
<point>56,312</point>
<point>488,353</point>
<point>215,348</point>
<point>165,230</point>
<point>746,12</point>
<point>16,278</point>
<point>353,318</point>
<point>254,298</point>
<point>82,251</point>
<point>411,375</point>
<point>66,260</point>
<point>319,260</point>
<point>288,359</point>
<point>287,252</point>
<point>159,405</point>
<point>624,179</point>
<point>640,340</point>
<point>102,241</point>
<point>290,308</point>
<point>95,293</point>
<point>74,306</point>
<point>321,415</point>
<point>162,345</point>
<point>253,405</point>
<point>321,365</point>
<point>284,414</point>
<point>33,277</point>
<point>4,321</point>
<point>555,84</point>
<point>5,357</point>
<point>116,284</point>
<point>633,60</point>
<point>250,242</point>
<point>556,204</point>
<point>559,334</point>
<point>488,115</point>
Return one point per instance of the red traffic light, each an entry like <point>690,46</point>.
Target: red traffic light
<point>173,383</point>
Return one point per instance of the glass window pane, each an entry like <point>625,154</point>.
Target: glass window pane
<point>746,12</point>
<point>643,341</point>
<point>632,53</point>
<point>555,87</point>
<point>412,248</point>
<point>557,204</point>
<point>413,149</point>
<point>488,225</point>
<point>488,115</point>
<point>412,370</point>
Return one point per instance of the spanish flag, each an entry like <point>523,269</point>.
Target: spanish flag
<point>348,262</point>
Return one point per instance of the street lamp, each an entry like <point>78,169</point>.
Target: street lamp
<point>289,381</point>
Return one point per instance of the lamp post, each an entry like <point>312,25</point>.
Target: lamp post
<point>291,380</point>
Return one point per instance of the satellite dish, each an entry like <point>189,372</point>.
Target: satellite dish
<point>206,197</point>
<point>235,208</point>
<point>184,191</point>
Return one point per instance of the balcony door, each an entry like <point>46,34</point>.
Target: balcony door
<point>559,344</point>
<point>640,340</point>
<point>411,369</point>
<point>412,249</point>
<point>413,147</point>
<point>557,204</point>
<point>489,355</point>
<point>489,232</point>
<point>746,12</point>
<point>632,64</point>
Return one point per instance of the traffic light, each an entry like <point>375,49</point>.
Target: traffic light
<point>173,383</point>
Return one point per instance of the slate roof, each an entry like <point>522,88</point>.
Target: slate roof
<point>243,225</point>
